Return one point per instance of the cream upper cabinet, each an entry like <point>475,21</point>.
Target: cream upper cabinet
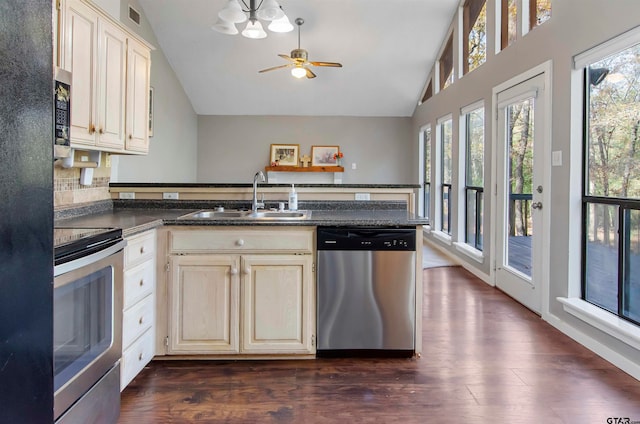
<point>110,81</point>
<point>138,77</point>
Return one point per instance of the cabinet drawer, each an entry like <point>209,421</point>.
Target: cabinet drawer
<point>136,320</point>
<point>241,240</point>
<point>135,357</point>
<point>140,248</point>
<point>139,281</point>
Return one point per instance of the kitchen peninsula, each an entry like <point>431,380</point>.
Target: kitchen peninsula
<point>241,288</point>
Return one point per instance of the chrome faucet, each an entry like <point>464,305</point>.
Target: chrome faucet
<point>255,205</point>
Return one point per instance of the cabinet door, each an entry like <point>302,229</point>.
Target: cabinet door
<point>138,68</point>
<point>79,56</point>
<point>112,68</point>
<point>203,297</point>
<point>278,304</point>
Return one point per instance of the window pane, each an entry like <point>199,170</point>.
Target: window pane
<point>426,136</point>
<point>475,28</point>
<point>631,284</point>
<point>540,12</point>
<point>475,148</point>
<point>509,22</point>
<point>614,125</point>
<point>446,64</point>
<point>446,208</point>
<point>601,275</point>
<point>447,138</point>
<point>471,217</point>
<point>480,236</point>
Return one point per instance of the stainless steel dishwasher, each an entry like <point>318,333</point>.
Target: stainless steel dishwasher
<point>366,291</point>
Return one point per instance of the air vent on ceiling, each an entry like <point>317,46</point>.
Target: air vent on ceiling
<point>134,15</point>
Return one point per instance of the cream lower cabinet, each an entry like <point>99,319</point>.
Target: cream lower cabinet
<point>256,303</point>
<point>138,314</point>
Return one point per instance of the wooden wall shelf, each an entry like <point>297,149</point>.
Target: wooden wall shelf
<point>301,169</point>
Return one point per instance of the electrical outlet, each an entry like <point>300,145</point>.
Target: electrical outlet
<point>170,196</point>
<point>354,166</point>
<point>84,158</point>
<point>107,160</point>
<point>363,196</point>
<point>126,195</point>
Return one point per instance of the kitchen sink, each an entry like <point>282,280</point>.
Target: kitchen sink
<point>247,215</point>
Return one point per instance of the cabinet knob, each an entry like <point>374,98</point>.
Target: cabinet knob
<point>239,242</point>
<point>141,250</point>
<point>234,271</point>
<point>130,137</point>
<point>140,357</point>
<point>247,270</point>
<point>92,129</point>
<point>101,131</point>
<point>141,282</point>
<point>140,320</point>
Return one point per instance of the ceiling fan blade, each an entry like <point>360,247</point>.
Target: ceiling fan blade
<point>288,65</point>
<point>309,73</point>
<point>333,64</point>
<point>284,56</point>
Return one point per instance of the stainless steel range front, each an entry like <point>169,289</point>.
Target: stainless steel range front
<point>87,324</point>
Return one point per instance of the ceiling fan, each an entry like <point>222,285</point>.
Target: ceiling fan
<point>299,60</point>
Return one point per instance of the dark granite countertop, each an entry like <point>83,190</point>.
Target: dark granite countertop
<point>137,219</point>
<point>249,184</point>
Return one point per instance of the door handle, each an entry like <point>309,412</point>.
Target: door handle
<point>536,205</point>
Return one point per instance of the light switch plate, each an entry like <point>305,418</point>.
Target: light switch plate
<point>556,158</point>
<point>172,196</point>
<point>363,196</point>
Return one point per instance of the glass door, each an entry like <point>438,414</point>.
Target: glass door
<point>520,161</point>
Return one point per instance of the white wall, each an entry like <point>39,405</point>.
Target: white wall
<point>233,148</point>
<point>173,148</point>
<point>575,26</point>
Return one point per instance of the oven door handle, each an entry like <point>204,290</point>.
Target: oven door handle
<point>89,259</point>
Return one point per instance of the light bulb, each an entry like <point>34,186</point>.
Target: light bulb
<point>299,72</point>
<point>254,30</point>
<point>233,13</point>
<point>270,11</point>
<point>225,27</point>
<point>281,25</point>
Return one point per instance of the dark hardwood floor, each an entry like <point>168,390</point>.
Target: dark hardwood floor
<point>486,359</point>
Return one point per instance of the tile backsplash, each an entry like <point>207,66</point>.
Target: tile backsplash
<point>67,190</point>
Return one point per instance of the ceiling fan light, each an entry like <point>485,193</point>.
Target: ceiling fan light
<point>254,30</point>
<point>225,27</point>
<point>281,25</point>
<point>270,10</point>
<point>299,72</point>
<point>233,13</point>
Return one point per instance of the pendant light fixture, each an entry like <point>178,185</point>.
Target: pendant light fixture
<point>267,10</point>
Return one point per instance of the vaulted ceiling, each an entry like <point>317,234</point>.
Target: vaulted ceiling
<point>387,49</point>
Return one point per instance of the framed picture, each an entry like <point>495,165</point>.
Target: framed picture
<point>284,154</point>
<point>150,111</point>
<point>324,155</point>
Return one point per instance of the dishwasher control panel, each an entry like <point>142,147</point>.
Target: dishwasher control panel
<point>366,238</point>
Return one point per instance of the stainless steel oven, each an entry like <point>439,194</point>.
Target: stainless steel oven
<point>87,324</point>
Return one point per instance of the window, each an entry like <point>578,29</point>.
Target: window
<point>426,143</point>
<point>475,30</point>
<point>446,160</point>
<point>428,92</point>
<point>509,22</point>
<point>539,12</point>
<point>474,176</point>
<point>446,64</point>
<point>611,200</point>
